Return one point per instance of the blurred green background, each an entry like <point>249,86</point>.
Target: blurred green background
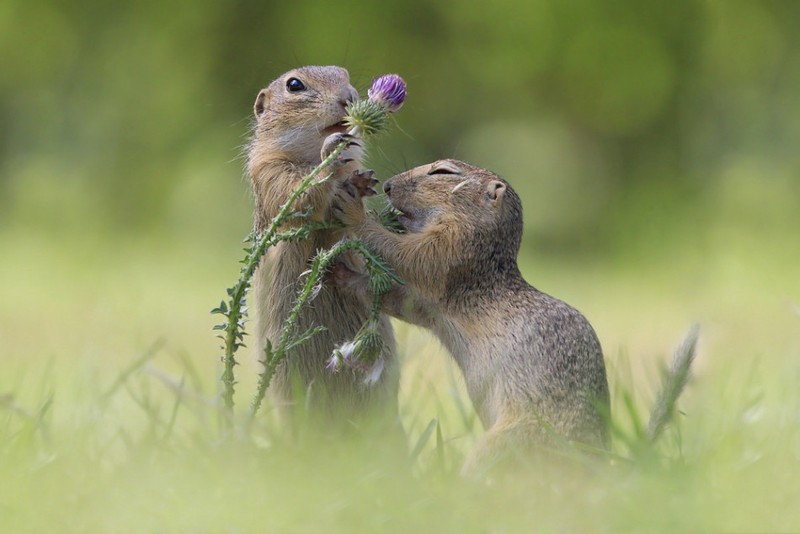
<point>659,134</point>
<point>625,125</point>
<point>654,145</point>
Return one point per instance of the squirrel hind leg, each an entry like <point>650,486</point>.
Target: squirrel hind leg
<point>501,446</point>
<point>522,445</point>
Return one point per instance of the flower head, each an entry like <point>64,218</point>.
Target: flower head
<point>369,116</point>
<point>368,347</point>
<point>342,357</point>
<point>388,90</point>
<point>334,364</point>
<point>363,354</point>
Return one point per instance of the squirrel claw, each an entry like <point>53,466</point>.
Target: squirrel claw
<point>333,141</point>
<point>352,151</point>
<point>363,182</point>
<point>339,274</point>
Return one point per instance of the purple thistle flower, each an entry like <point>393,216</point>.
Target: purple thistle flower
<point>369,116</point>
<point>388,90</point>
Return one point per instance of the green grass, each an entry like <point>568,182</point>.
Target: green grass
<point>109,399</point>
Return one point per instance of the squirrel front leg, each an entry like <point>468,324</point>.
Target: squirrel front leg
<point>349,159</point>
<point>275,182</point>
<point>399,302</point>
<point>406,253</point>
<point>319,197</point>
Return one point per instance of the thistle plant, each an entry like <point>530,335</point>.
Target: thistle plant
<point>367,117</point>
<point>364,352</point>
<point>381,276</point>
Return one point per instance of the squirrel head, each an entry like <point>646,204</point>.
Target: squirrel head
<point>477,203</point>
<point>296,112</point>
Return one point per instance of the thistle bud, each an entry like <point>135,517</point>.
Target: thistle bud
<point>363,354</point>
<point>334,364</point>
<point>342,357</point>
<point>369,345</point>
<point>369,116</point>
<point>379,281</point>
<point>389,91</point>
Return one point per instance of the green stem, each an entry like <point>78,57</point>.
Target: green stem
<point>318,266</point>
<point>234,326</point>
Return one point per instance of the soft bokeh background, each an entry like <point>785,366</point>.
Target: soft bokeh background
<point>654,144</point>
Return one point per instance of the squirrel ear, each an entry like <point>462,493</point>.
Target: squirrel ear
<point>261,102</point>
<point>494,192</point>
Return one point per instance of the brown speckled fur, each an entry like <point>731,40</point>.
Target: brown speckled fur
<point>290,129</point>
<point>527,357</point>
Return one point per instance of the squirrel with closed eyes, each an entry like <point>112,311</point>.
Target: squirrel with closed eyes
<point>532,364</point>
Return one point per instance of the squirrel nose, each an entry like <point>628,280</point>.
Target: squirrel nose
<point>387,187</point>
<point>348,96</point>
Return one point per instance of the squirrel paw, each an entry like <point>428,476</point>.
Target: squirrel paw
<point>341,275</point>
<point>353,150</point>
<point>363,183</point>
<point>346,205</point>
<point>360,184</point>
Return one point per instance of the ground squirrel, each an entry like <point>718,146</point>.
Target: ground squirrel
<point>532,364</point>
<point>298,121</point>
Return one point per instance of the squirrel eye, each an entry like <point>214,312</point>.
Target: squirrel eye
<point>294,85</point>
<point>444,167</point>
